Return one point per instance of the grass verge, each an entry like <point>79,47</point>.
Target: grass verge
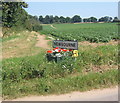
<point>19,45</point>
<point>45,86</point>
<point>34,75</point>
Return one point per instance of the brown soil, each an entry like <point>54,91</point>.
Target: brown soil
<point>101,68</point>
<point>41,42</point>
<point>86,43</point>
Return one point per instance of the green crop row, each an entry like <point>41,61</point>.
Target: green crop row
<point>94,32</point>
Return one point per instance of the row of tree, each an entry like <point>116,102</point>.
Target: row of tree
<point>14,16</point>
<point>55,19</point>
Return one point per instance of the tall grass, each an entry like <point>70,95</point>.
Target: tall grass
<point>34,74</point>
<point>38,66</point>
<point>43,86</point>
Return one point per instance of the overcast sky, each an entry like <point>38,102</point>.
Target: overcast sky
<point>84,9</point>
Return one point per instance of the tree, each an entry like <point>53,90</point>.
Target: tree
<point>85,20</point>
<point>46,19</point>
<point>51,19</point>
<point>16,18</point>
<point>101,19</point>
<point>76,18</point>
<point>13,12</point>
<point>93,19</point>
<point>56,19</point>
<point>34,23</point>
<point>62,19</point>
<point>41,19</point>
<point>68,20</point>
<point>36,18</point>
<point>105,19</point>
<point>116,19</point>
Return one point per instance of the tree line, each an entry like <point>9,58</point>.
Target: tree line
<point>15,18</point>
<point>56,19</point>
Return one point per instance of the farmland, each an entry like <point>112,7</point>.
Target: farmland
<point>27,71</point>
<point>27,42</point>
<point>92,32</point>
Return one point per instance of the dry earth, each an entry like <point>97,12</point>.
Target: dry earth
<point>86,43</point>
<point>41,42</point>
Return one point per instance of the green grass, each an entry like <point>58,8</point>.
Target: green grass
<point>34,75</point>
<point>20,45</point>
<point>9,38</point>
<point>37,65</point>
<point>27,74</point>
<point>45,86</point>
<point>94,32</point>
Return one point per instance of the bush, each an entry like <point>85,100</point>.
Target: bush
<point>37,27</point>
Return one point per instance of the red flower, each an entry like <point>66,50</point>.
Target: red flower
<point>49,51</point>
<point>70,50</point>
<point>57,48</point>
<point>64,50</point>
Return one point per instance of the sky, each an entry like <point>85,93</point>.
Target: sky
<point>84,9</point>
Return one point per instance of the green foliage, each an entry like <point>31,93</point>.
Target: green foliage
<point>34,75</point>
<point>116,19</point>
<point>38,67</point>
<point>12,13</point>
<point>104,55</point>
<point>67,66</point>
<point>50,19</point>
<point>37,27</point>
<point>10,38</point>
<point>91,19</point>
<point>15,18</point>
<point>76,19</point>
<point>43,86</point>
<point>105,19</point>
<point>92,32</point>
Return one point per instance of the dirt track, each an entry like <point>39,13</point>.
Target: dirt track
<point>109,94</point>
<point>42,42</point>
<point>53,27</point>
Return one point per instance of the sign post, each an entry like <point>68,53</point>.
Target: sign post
<point>65,44</point>
<point>63,49</point>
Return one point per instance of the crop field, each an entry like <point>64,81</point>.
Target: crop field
<point>34,63</point>
<point>92,32</point>
<point>31,73</point>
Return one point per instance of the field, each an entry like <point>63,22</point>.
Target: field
<point>26,71</point>
<point>93,32</point>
